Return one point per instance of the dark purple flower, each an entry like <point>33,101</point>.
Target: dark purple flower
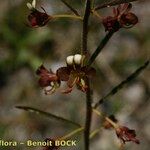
<point>75,73</point>
<point>126,135</point>
<point>37,18</point>
<point>122,17</point>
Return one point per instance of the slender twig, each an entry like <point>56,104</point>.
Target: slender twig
<point>113,3</point>
<point>67,16</point>
<point>95,132</point>
<point>34,110</point>
<point>71,8</point>
<point>71,133</point>
<point>95,13</point>
<point>85,26</point>
<point>114,124</point>
<point>84,51</point>
<point>100,47</point>
<point>122,84</point>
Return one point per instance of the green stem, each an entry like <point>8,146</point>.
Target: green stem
<point>115,125</point>
<point>100,47</point>
<point>71,8</point>
<point>95,132</point>
<point>71,133</point>
<point>67,16</point>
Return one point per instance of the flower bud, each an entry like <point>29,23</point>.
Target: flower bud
<point>128,20</point>
<point>78,59</point>
<point>69,60</point>
<point>31,6</point>
<point>34,3</point>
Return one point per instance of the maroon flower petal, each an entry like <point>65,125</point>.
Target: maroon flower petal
<point>110,23</point>
<point>46,77</point>
<point>63,73</point>
<point>37,18</point>
<point>127,135</point>
<point>44,81</point>
<point>42,70</point>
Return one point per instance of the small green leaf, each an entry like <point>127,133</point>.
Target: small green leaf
<point>47,114</point>
<point>122,84</point>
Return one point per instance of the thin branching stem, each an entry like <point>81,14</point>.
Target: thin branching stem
<point>67,16</point>
<point>122,84</point>
<point>71,8</point>
<point>84,51</point>
<point>76,131</point>
<point>112,3</point>
<point>100,47</point>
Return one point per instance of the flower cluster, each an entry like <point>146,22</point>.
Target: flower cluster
<point>75,73</point>
<point>122,18</point>
<point>37,18</point>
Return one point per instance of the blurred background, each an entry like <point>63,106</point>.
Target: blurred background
<point>24,49</point>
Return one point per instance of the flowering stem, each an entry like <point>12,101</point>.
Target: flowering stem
<point>71,8</point>
<point>88,93</point>
<point>67,16</point>
<point>100,47</point>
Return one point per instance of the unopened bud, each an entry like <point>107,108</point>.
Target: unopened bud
<point>69,60</point>
<point>78,59</point>
<point>129,19</point>
<point>29,6</point>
